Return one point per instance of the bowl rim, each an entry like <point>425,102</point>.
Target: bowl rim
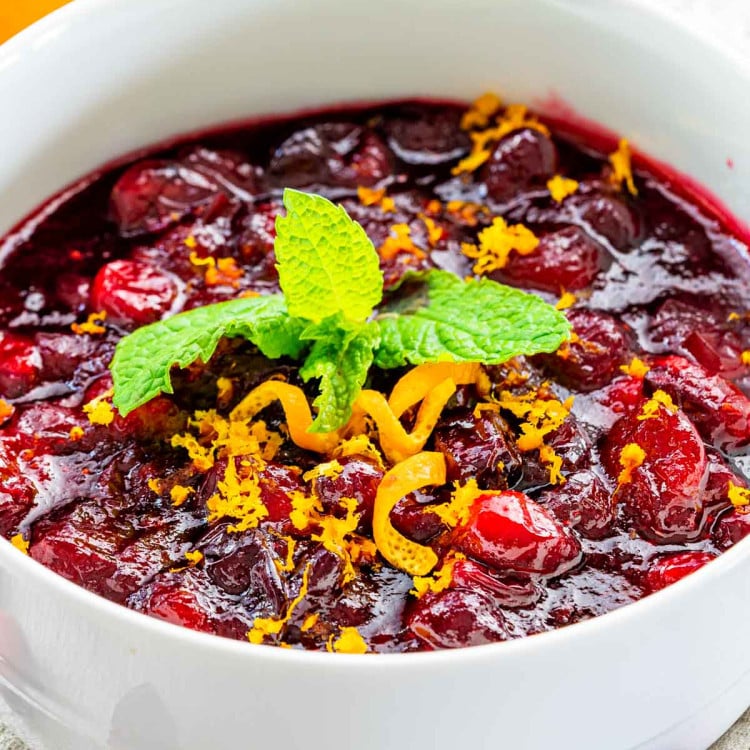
<point>44,32</point>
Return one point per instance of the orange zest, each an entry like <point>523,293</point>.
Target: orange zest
<point>496,242</point>
<point>621,169</point>
<point>414,473</point>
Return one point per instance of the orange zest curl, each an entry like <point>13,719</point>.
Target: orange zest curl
<point>414,473</point>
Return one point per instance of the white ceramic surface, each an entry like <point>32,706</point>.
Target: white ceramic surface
<point>103,77</point>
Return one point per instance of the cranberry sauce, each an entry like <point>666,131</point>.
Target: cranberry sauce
<point>640,484</point>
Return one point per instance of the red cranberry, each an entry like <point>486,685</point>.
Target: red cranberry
<point>717,407</point>
<point>20,365</point>
<point>339,154</point>
<point>593,360</point>
<point>664,495</point>
<point>730,529</point>
<point>478,446</point>
<point>469,574</point>
<point>513,534</point>
<point>73,291</point>
<point>276,483</point>
<point>582,503</point>
<point>132,292</point>
<point>152,195</point>
<point>174,599</point>
<point>669,569</point>
<point>520,159</point>
<point>359,479</point>
<point>566,259</point>
<point>457,618</point>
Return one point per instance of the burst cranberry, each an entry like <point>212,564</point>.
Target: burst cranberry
<point>330,154</point>
<point>17,493</point>
<point>663,496</point>
<point>62,353</point>
<point>469,574</point>
<point>152,195</point>
<point>478,446</point>
<point>457,618</point>
<point>582,503</point>
<point>226,169</point>
<point>513,534</point>
<point>566,259</point>
<point>132,292</point>
<point>717,407</point>
<point>20,365</point>
<point>358,479</point>
<point>236,562</point>
<point>700,333</point>
<point>716,493</point>
<point>594,359</point>
<point>413,518</point>
<point>670,569</point>
<point>730,529</point>
<point>277,482</point>
<point>521,159</point>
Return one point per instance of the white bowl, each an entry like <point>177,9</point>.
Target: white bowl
<point>101,78</point>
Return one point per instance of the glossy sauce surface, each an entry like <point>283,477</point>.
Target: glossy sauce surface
<point>654,277</point>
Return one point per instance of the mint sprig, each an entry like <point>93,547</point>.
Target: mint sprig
<point>331,282</point>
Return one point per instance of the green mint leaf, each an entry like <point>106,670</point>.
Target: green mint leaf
<point>143,360</point>
<point>341,359</point>
<point>446,319</point>
<point>326,262</point>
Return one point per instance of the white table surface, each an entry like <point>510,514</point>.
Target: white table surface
<point>728,19</point>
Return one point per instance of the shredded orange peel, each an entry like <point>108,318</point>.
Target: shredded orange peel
<point>496,242</point>
<point>431,384</point>
<point>631,457</point>
<point>621,169</point>
<point>422,470</point>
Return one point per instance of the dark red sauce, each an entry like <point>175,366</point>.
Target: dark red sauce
<point>656,276</point>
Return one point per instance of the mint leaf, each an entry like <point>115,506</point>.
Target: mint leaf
<point>326,262</point>
<point>341,359</point>
<point>143,360</point>
<point>446,319</point>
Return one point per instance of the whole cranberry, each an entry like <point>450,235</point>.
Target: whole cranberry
<point>583,503</point>
<point>479,446</point>
<point>511,533</point>
<point>132,293</point>
<point>457,618</point>
<point>718,408</point>
<point>669,569</point>
<point>566,259</point>
<point>595,358</point>
<point>519,160</point>
<point>175,599</point>
<point>421,136</point>
<point>20,365</point>
<point>663,496</point>
<point>606,215</point>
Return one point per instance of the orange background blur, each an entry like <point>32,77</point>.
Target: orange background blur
<point>17,14</point>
